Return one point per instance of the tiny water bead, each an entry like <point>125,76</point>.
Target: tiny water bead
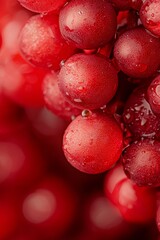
<point>86,113</point>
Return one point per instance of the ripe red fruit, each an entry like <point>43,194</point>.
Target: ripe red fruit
<point>88,81</point>
<point>136,204</point>
<point>41,43</point>
<point>93,143</point>
<point>41,6</point>
<point>138,115</point>
<point>88,24</point>
<point>136,53</point>
<point>141,162</point>
<point>149,15</point>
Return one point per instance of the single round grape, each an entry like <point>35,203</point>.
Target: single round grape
<point>92,143</point>
<point>136,53</point>
<point>54,99</point>
<point>153,94</point>
<point>41,43</point>
<point>138,115</point>
<point>88,23</point>
<point>150,17</point>
<point>42,6</point>
<point>136,204</point>
<point>141,162</point>
<point>88,81</point>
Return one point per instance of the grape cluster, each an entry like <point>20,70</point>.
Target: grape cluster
<point>79,119</point>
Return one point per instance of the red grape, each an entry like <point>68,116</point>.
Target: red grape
<point>42,44</point>
<point>42,6</point>
<point>88,24</point>
<point>136,204</point>
<point>141,162</point>
<point>149,15</point>
<point>138,115</point>
<point>136,53</point>
<point>93,143</point>
<point>88,81</point>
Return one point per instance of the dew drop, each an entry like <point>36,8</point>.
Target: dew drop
<point>141,67</point>
<point>62,63</point>
<point>80,88</point>
<point>49,65</point>
<point>78,100</point>
<point>143,121</point>
<point>86,113</point>
<point>103,107</point>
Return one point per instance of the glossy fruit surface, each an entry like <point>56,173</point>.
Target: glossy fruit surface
<point>93,143</point>
<point>79,120</point>
<point>149,15</point>
<point>88,81</point>
<point>138,115</point>
<point>42,6</point>
<point>41,43</point>
<point>141,162</point>
<point>136,53</point>
<point>83,23</point>
<point>135,204</point>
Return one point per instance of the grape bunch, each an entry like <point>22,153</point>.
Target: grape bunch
<point>79,119</point>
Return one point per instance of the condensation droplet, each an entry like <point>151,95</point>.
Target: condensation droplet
<point>103,107</point>
<point>78,100</point>
<point>62,63</point>
<point>86,113</point>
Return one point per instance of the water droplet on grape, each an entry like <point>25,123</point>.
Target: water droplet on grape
<point>86,113</point>
<point>78,100</point>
